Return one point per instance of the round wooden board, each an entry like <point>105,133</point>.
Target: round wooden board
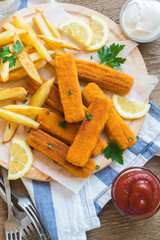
<point>116,34</point>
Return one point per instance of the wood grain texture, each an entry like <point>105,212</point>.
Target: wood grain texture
<point>113,225</point>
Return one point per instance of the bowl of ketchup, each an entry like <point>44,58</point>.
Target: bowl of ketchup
<point>136,193</point>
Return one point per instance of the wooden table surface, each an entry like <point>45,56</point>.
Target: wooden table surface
<point>113,225</point>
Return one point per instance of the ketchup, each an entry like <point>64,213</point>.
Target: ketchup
<point>137,193</point>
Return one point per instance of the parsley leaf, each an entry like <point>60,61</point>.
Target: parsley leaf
<point>17,47</point>
<point>91,57</point>
<point>89,116</point>
<point>97,167</point>
<point>108,56</point>
<point>50,145</point>
<point>62,124</point>
<point>7,55</point>
<point>130,139</point>
<point>114,151</point>
<point>69,92</point>
<point>24,101</point>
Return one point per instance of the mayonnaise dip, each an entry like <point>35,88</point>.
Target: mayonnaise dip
<point>140,19</point>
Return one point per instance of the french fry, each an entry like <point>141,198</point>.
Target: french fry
<point>47,28</point>
<point>9,131</point>
<point>50,26</point>
<point>4,71</point>
<point>26,110</point>
<point>40,96</point>
<point>18,118</point>
<point>32,38</point>
<point>30,49</point>
<point>8,26</point>
<point>26,62</point>
<point>35,56</point>
<point>20,73</point>
<point>58,42</point>
<point>7,36</point>
<point>18,93</point>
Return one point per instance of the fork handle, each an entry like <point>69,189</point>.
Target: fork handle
<point>8,191</point>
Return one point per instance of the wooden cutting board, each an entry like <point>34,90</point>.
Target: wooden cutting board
<point>116,34</point>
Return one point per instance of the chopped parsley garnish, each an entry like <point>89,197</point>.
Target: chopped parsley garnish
<point>62,124</point>
<point>7,55</point>
<point>130,139</point>
<point>91,57</point>
<point>114,151</point>
<point>69,92</point>
<point>50,145</point>
<point>97,167</point>
<point>25,101</point>
<point>108,56</point>
<point>89,116</point>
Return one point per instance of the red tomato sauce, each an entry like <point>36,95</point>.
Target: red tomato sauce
<point>137,193</point>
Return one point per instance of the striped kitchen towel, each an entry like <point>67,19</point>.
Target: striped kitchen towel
<point>67,215</point>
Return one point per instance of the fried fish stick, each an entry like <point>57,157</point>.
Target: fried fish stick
<point>100,146</point>
<point>116,128</point>
<point>57,126</point>
<point>53,99</point>
<point>66,132</point>
<point>89,132</point>
<point>57,150</point>
<point>69,88</point>
<point>119,131</point>
<point>104,76</point>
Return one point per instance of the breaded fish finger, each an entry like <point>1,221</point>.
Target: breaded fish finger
<point>116,128</point>
<point>66,132</point>
<point>53,99</point>
<point>104,76</point>
<point>69,88</point>
<point>57,150</point>
<point>89,132</point>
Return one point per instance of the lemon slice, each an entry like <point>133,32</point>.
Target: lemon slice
<point>77,30</point>
<point>100,33</point>
<point>21,159</point>
<point>129,108</point>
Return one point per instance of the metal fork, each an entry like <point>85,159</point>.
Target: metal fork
<point>28,230</point>
<point>12,225</point>
<point>26,204</point>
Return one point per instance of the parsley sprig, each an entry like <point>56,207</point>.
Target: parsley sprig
<point>7,55</point>
<point>114,151</point>
<point>108,56</point>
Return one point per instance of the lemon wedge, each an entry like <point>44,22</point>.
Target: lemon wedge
<point>77,30</point>
<point>100,33</point>
<point>129,108</point>
<point>21,159</point>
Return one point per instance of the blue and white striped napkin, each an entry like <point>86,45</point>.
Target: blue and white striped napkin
<point>67,215</point>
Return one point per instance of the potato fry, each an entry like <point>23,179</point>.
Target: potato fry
<point>7,36</point>
<point>18,93</point>
<point>50,26</point>
<point>26,62</point>
<point>18,118</point>
<point>8,26</point>
<point>26,110</point>
<point>47,28</point>
<point>59,42</point>
<point>30,49</point>
<point>40,96</point>
<point>4,71</point>
<point>32,38</point>
<point>9,131</point>
<point>20,73</point>
<point>35,56</point>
